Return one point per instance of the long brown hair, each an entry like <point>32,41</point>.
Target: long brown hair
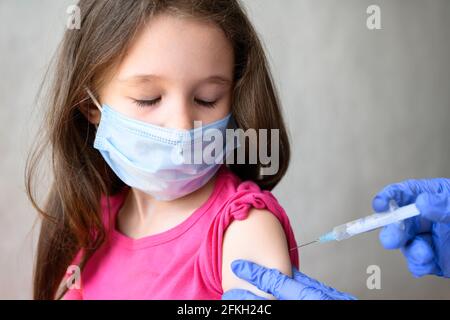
<point>71,219</point>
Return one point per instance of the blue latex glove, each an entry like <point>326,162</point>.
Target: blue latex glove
<point>282,287</point>
<point>425,239</point>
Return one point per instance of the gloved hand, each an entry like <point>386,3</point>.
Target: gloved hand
<point>282,287</point>
<point>425,239</point>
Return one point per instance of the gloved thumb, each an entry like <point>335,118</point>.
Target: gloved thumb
<point>434,206</point>
<point>268,280</point>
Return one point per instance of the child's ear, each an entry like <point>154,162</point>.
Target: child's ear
<point>91,113</point>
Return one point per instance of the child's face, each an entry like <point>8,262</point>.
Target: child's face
<point>176,71</point>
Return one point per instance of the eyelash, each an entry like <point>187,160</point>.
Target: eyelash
<point>149,103</point>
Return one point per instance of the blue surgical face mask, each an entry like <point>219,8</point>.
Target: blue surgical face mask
<point>162,162</point>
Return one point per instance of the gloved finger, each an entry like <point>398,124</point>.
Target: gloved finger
<point>420,250</point>
<point>300,276</point>
<point>308,281</point>
<point>424,269</point>
<point>441,241</point>
<point>420,270</point>
<point>407,191</point>
<point>268,280</point>
<point>400,192</point>
<point>240,294</point>
<point>397,235</point>
<point>329,291</point>
<point>420,256</point>
<point>434,207</point>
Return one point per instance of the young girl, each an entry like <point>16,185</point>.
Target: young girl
<point>127,88</point>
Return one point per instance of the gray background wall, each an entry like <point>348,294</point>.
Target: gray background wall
<point>364,108</point>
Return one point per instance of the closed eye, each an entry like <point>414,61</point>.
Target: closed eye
<point>148,103</point>
<point>208,104</point>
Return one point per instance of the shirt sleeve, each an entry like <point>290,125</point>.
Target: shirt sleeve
<point>247,196</point>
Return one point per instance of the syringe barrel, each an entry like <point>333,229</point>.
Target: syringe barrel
<point>374,221</point>
<point>340,232</point>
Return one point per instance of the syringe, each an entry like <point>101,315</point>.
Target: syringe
<point>369,223</point>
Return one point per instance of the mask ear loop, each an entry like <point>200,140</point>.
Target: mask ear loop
<point>94,99</point>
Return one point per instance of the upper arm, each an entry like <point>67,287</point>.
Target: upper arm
<point>259,238</point>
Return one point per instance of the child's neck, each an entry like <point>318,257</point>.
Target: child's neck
<point>142,215</point>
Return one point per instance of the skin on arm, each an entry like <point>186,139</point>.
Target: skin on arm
<point>259,238</point>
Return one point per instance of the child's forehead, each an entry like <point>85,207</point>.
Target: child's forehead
<point>179,48</point>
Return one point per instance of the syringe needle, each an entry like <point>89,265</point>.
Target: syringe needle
<point>304,244</point>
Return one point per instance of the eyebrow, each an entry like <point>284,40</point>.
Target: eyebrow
<point>147,78</point>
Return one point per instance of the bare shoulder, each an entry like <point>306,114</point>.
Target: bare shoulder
<point>259,238</point>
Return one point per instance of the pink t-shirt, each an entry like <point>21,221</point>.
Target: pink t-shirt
<point>184,262</point>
